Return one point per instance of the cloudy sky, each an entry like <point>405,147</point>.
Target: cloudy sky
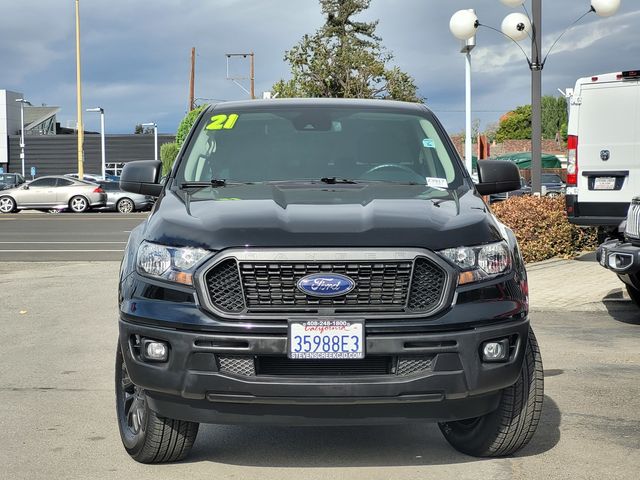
<point>136,53</point>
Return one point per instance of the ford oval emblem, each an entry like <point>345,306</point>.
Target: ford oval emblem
<point>326,284</point>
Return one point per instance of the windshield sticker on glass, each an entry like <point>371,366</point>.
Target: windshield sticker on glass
<point>223,122</point>
<point>428,143</point>
<point>437,182</point>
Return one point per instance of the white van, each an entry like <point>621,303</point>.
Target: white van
<point>603,167</point>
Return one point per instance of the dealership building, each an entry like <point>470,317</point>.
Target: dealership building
<point>52,150</point>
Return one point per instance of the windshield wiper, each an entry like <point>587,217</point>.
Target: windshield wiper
<point>334,180</point>
<point>214,182</point>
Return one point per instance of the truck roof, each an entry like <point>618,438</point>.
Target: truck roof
<point>376,104</point>
<point>609,77</point>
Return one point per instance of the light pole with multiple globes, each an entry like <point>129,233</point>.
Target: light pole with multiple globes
<point>517,27</point>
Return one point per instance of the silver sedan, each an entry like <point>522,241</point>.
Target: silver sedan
<point>55,192</point>
<point>125,202</point>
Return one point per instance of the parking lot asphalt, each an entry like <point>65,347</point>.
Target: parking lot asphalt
<point>33,236</point>
<point>57,416</point>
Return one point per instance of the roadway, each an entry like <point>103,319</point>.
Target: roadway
<point>58,331</point>
<point>43,237</point>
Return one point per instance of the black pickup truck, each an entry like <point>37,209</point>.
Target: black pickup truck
<point>323,262</point>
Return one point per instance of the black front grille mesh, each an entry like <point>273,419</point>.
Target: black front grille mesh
<point>224,287</point>
<point>273,285</point>
<point>427,285</point>
<point>387,287</point>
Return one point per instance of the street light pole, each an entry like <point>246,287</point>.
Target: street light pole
<point>536,97</point>
<point>102,142</point>
<point>22,102</point>
<point>79,96</point>
<point>155,137</point>
<point>467,46</point>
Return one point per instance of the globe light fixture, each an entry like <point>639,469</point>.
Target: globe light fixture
<point>464,24</point>
<point>512,3</point>
<point>516,26</point>
<point>605,8</point>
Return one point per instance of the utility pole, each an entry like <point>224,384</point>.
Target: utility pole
<point>252,76</point>
<point>536,98</point>
<point>79,97</point>
<point>252,89</point>
<point>192,81</point>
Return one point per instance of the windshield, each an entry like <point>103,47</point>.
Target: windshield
<point>551,178</point>
<point>314,143</point>
<point>8,179</point>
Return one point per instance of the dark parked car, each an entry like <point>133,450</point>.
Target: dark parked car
<point>10,180</point>
<point>552,185</point>
<point>525,189</point>
<point>323,262</point>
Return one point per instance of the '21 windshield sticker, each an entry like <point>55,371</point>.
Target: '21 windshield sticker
<point>223,122</point>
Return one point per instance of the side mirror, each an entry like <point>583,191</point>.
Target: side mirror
<point>25,187</point>
<point>142,177</point>
<point>497,176</point>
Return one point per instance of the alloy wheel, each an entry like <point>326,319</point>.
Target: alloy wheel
<point>78,204</point>
<point>6,205</point>
<point>133,406</point>
<point>125,206</point>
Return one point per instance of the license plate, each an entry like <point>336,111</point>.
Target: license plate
<point>604,183</point>
<point>326,339</point>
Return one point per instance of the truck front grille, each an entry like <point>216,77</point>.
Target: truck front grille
<point>252,287</point>
<point>273,285</point>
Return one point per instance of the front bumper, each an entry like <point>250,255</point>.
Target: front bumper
<point>620,257</point>
<point>192,386</point>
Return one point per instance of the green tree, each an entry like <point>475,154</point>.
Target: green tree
<point>344,59</point>
<point>168,154</point>
<point>554,117</point>
<point>138,129</point>
<point>516,125</point>
<point>185,125</point>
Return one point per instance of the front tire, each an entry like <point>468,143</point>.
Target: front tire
<point>146,437</point>
<point>634,294</point>
<point>7,205</point>
<point>511,426</point>
<point>79,204</point>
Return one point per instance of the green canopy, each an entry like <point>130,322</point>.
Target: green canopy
<point>523,160</point>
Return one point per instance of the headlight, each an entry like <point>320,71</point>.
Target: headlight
<point>175,264</point>
<point>479,263</point>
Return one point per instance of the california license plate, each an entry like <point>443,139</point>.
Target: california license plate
<point>326,339</point>
<point>604,183</point>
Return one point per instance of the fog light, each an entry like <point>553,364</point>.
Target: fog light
<point>155,351</point>
<point>495,351</point>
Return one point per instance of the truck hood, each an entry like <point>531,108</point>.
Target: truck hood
<point>310,215</point>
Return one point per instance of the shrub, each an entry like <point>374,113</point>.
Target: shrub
<point>168,154</point>
<point>186,124</point>
<point>542,229</point>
